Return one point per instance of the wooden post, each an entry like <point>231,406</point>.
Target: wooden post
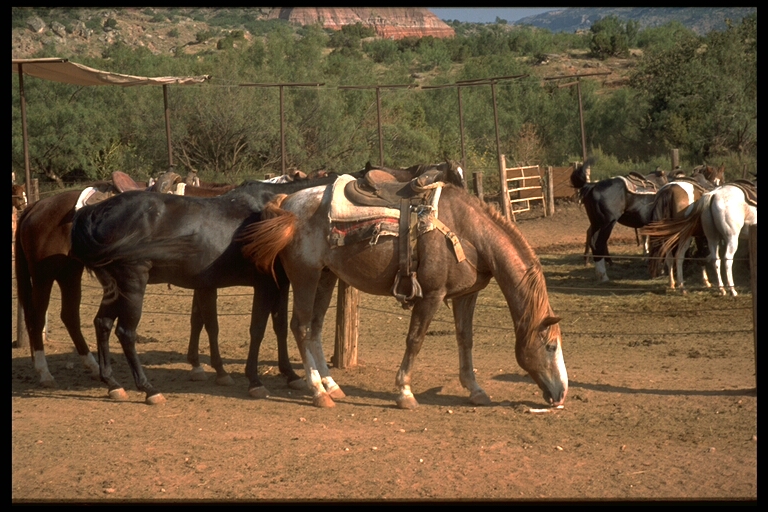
<point>753,285</point>
<point>477,179</point>
<point>675,157</point>
<point>22,339</point>
<point>504,194</point>
<point>33,195</point>
<point>347,323</point>
<point>549,195</point>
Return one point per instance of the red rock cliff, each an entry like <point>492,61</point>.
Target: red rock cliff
<point>389,22</point>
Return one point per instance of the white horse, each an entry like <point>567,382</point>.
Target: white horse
<point>723,215</point>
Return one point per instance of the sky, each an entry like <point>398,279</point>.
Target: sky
<point>487,14</point>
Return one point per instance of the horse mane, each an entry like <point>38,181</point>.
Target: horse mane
<point>521,244</point>
<point>533,286</point>
<point>533,289</point>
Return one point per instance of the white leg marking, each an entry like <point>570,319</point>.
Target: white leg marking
<point>41,367</point>
<point>90,362</point>
<point>602,276</point>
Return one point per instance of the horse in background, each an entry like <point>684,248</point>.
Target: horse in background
<point>722,216</point>
<point>623,199</point>
<point>670,203</point>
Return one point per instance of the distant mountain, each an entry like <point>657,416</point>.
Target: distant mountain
<point>699,19</point>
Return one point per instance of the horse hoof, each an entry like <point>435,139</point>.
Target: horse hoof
<point>480,398</point>
<point>155,399</point>
<point>407,402</point>
<point>258,392</point>
<point>297,384</point>
<point>118,394</point>
<point>336,393</point>
<point>224,380</point>
<point>323,400</point>
<point>50,383</point>
<point>197,374</point>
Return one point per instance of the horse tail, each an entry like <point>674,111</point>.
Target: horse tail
<point>263,240</point>
<point>23,275</point>
<point>579,177</point>
<point>93,252</point>
<point>673,232</point>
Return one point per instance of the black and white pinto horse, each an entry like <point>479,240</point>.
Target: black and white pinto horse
<point>610,201</point>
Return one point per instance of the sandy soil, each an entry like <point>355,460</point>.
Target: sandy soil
<point>662,402</point>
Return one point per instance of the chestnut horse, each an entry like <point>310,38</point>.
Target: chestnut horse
<point>297,229</point>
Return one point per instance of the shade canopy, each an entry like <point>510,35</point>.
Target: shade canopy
<point>61,70</point>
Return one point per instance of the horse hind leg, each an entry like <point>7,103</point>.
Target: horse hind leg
<point>304,292</point>
<point>322,302</point>
<point>280,327</point>
<point>730,253</point>
<point>463,312</point>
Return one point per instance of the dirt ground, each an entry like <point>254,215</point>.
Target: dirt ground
<point>662,402</point>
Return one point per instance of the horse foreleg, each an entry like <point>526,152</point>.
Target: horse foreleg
<point>682,250</point>
<point>193,350</point>
<point>207,301</point>
<point>599,245</point>
<point>35,323</point>
<point>422,314</point>
<point>587,245</point>
<point>463,312</point>
<point>71,296</point>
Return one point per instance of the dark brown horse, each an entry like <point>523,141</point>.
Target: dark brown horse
<point>297,228</point>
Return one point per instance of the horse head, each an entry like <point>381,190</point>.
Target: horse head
<point>715,175</point>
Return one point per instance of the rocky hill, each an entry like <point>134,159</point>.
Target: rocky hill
<point>389,22</point>
<point>66,31</point>
<point>699,19</point>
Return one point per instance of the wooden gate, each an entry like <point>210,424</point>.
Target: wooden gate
<point>521,186</point>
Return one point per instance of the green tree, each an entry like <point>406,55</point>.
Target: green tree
<point>610,37</point>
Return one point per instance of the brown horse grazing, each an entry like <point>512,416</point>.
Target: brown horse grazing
<point>297,228</point>
<point>670,203</point>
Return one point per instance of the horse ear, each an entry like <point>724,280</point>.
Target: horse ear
<point>550,321</point>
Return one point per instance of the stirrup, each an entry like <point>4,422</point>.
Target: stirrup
<point>407,301</point>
